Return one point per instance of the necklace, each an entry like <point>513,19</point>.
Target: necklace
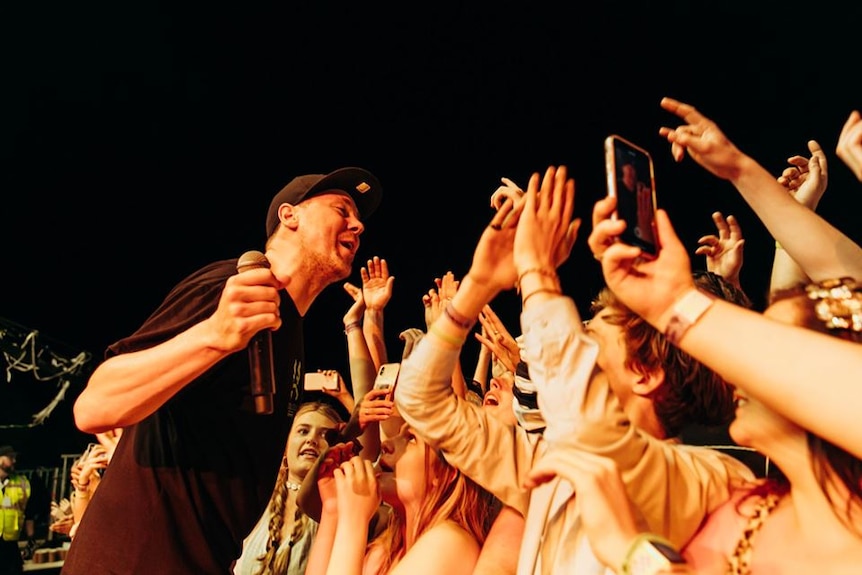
<point>740,562</point>
<point>292,486</point>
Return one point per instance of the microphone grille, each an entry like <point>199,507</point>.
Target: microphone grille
<point>251,260</point>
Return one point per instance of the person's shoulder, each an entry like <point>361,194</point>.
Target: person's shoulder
<point>462,549</point>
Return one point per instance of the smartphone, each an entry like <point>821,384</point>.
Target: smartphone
<point>631,179</point>
<point>387,376</point>
<point>320,381</point>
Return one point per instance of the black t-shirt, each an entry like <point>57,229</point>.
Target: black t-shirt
<point>188,483</point>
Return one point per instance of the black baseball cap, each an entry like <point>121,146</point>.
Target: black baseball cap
<point>7,450</point>
<point>361,184</point>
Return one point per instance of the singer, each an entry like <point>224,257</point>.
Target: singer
<point>203,435</point>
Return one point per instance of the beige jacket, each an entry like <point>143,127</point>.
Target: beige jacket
<point>672,486</point>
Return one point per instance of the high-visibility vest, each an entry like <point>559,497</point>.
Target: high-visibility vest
<point>13,502</point>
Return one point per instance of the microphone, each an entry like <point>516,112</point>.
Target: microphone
<point>260,347</point>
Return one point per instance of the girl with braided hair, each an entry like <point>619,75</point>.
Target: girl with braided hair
<point>281,540</point>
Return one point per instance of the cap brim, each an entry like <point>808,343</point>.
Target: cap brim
<point>361,184</point>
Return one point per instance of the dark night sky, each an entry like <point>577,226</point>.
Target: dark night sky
<point>142,140</point>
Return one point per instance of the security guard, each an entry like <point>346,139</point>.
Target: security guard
<point>14,495</point>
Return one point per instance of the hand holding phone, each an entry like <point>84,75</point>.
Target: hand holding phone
<point>318,381</point>
<point>387,376</point>
<point>630,177</point>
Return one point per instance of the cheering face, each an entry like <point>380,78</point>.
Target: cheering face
<point>402,467</point>
<point>306,442</point>
<point>329,227</point>
<point>498,398</point>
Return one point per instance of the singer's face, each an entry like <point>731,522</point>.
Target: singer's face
<point>306,442</point>
<point>330,228</point>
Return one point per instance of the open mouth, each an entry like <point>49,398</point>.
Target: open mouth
<point>309,453</point>
<point>491,400</point>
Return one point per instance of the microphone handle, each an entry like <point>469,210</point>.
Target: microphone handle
<point>260,358</point>
<point>260,361</point>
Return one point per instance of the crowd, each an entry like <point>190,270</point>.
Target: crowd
<point>557,449</point>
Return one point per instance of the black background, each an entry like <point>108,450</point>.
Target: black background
<point>141,140</point>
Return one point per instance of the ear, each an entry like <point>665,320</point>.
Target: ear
<point>287,215</point>
<point>647,384</point>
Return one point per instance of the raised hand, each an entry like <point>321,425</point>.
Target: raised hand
<point>648,288</point>
<point>723,251</point>
<point>357,309</point>
<point>702,139</point>
<point>497,338</point>
<point>849,147</point>
<point>437,297</point>
<point>330,460</point>
<point>807,178</point>
<point>492,266</point>
<point>341,393</point>
<point>605,508</point>
<point>376,283</point>
<point>375,407</point>
<point>546,230</point>
<point>357,490</point>
<point>508,191</point>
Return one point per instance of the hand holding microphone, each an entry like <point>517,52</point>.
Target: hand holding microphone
<point>260,347</point>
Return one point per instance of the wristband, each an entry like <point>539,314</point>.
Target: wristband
<point>451,340</point>
<point>351,326</point>
<point>458,318</point>
<point>686,312</point>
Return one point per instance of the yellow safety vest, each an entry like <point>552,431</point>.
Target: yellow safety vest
<point>13,501</point>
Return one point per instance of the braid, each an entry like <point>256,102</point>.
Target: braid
<point>299,523</point>
<point>276,521</point>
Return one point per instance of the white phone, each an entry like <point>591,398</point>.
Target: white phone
<point>320,381</point>
<point>387,376</point>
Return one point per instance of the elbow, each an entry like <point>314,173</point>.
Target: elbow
<point>91,415</point>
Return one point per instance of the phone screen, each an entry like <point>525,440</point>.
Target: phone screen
<point>631,179</point>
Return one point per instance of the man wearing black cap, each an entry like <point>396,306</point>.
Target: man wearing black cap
<point>197,461</point>
<point>15,519</point>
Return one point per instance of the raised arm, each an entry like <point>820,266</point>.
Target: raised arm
<point>806,180</point>
<point>377,287</point>
<point>820,249</point>
<point>849,147</point>
<point>766,360</point>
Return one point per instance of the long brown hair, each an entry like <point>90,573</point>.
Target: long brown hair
<point>691,392</point>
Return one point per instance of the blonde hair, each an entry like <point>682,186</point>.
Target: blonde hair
<point>450,496</point>
<point>270,562</point>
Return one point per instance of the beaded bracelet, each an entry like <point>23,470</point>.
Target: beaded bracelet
<point>351,326</point>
